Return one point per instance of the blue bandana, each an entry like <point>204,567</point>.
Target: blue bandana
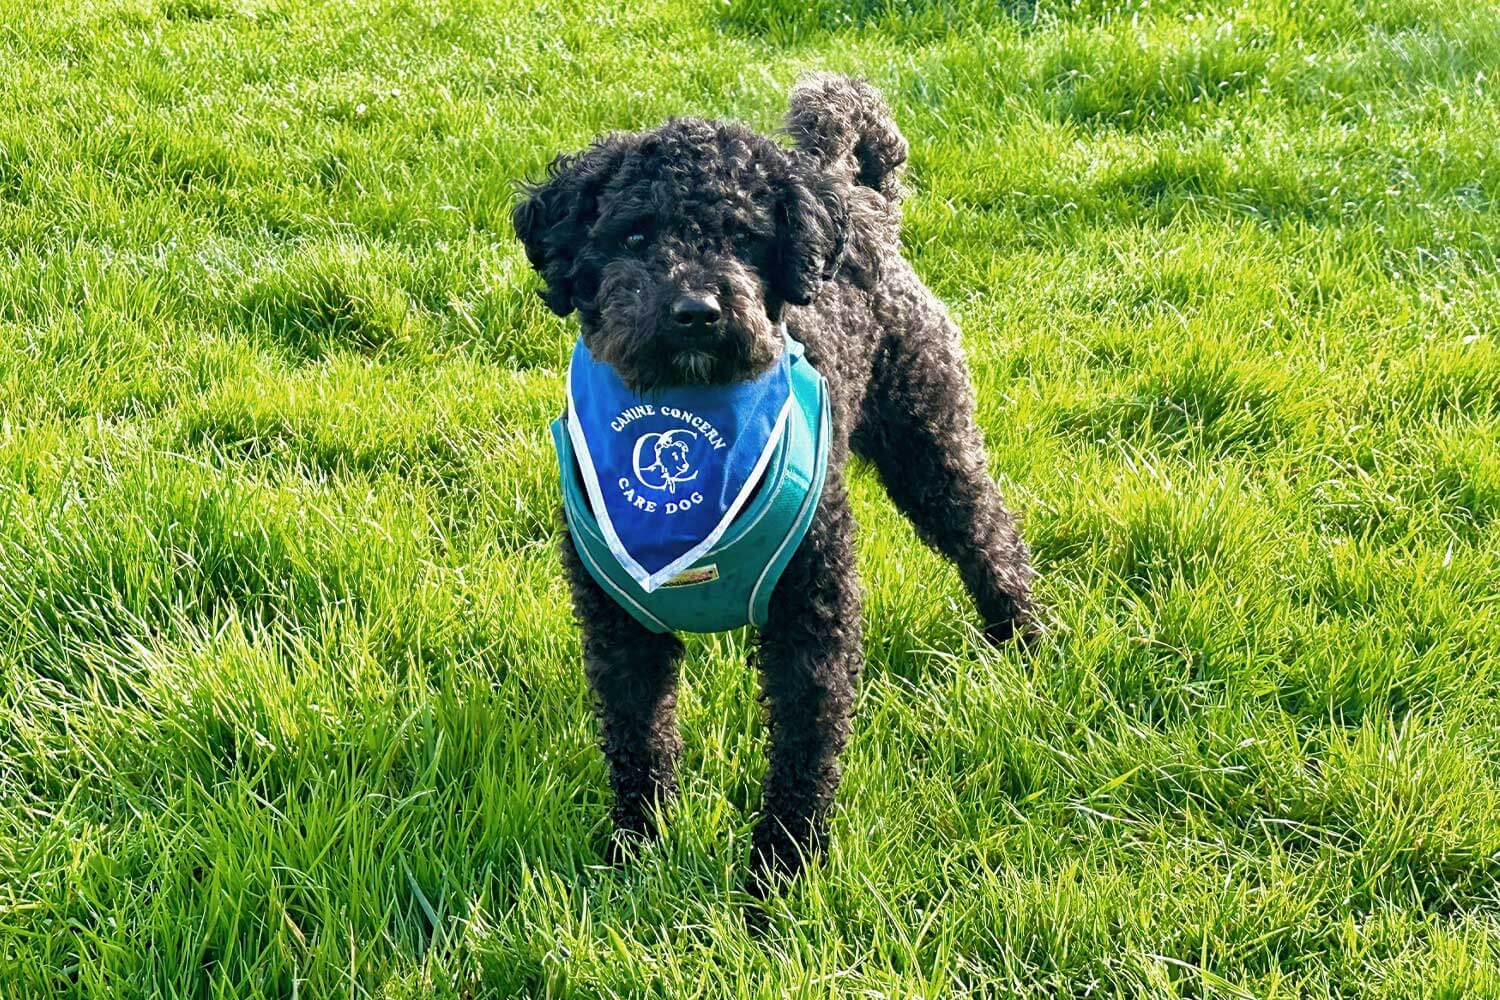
<point>667,472</point>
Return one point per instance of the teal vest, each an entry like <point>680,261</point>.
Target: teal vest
<point>731,584</point>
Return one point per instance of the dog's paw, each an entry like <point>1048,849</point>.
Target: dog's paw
<point>625,846</point>
<point>757,918</point>
<point>776,857</point>
<point>1014,621</point>
<point>1022,629</point>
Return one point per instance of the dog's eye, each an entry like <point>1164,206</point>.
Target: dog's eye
<point>635,241</point>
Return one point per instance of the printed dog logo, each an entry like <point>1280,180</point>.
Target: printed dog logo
<point>670,466</point>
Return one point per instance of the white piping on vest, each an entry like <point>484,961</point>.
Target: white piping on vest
<point>604,578</point>
<point>825,431</point>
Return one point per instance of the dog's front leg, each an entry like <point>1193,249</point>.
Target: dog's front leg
<point>633,674</point>
<point>810,660</point>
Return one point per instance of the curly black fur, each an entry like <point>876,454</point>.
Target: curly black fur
<point>713,211</point>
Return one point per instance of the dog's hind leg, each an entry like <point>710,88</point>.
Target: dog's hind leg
<point>810,659</point>
<point>918,429</point>
<point>633,674</point>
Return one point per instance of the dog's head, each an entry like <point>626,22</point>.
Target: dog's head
<point>679,247</point>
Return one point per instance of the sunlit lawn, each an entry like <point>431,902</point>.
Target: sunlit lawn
<point>290,702</point>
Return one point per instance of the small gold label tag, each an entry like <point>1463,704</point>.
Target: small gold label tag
<point>693,577</point>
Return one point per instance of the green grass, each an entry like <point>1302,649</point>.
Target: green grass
<point>290,702</point>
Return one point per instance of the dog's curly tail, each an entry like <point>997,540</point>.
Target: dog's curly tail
<point>846,124</point>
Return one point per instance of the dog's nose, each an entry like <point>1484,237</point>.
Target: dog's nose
<point>695,311</point>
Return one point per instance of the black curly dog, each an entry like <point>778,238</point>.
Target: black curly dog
<point>681,249</point>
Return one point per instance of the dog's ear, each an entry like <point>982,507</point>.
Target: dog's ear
<point>811,232</point>
<point>553,220</point>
